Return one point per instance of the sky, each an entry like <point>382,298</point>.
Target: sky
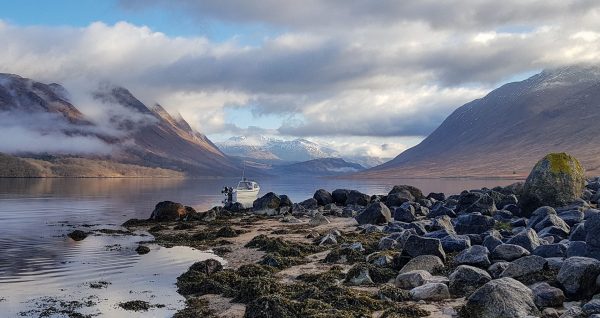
<point>363,77</point>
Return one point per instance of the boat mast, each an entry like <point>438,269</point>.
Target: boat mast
<point>244,171</point>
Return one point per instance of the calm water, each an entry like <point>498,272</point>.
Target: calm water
<point>37,259</point>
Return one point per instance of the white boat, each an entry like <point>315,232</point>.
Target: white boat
<point>246,190</point>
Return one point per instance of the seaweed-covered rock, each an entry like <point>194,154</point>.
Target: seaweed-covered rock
<point>412,279</point>
<point>578,276</point>
<point>168,211</point>
<point>142,249</point>
<point>416,245</point>
<point>556,180</point>
<point>323,197</point>
<point>207,267</point>
<point>466,279</point>
<point>500,298</point>
<point>375,213</point>
<point>270,306</point>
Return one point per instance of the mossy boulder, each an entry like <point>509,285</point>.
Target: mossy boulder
<point>556,180</point>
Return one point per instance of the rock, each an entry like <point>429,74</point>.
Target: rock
<point>413,191</point>
<point>412,279</point>
<point>527,239</point>
<point>539,214</point>
<point>348,212</point>
<point>405,213</point>
<point>592,237</point>
<point>318,219</point>
<point>476,202</point>
<point>473,224</point>
<point>443,222</point>
<point>545,295</point>
<point>357,198</point>
<point>577,248</point>
<point>428,263</point>
<point>525,267</point>
<point>380,259</point>
<point>387,243</point>
<point>168,211</point>
<point>397,199</point>
<point>573,312</point>
<point>370,228</point>
<point>142,249</point>
<point>455,243</point>
<point>285,201</point>
<point>207,267</point>
<point>416,245</point>
<point>497,268</point>
<point>290,219</point>
<point>556,180</point>
<point>591,307</point>
<point>466,279</point>
<point>572,217</point>
<point>475,255</point>
<point>551,250</point>
<point>309,204</point>
<point>375,213</point>
<point>500,298</point>
<point>509,252</point>
<point>359,276</point>
<point>430,291</point>
<point>340,196</point>
<point>328,239</point>
<point>323,197</point>
<point>578,232</point>
<point>552,220</point>
<point>268,202</point>
<point>440,211</point>
<point>78,235</point>
<point>491,241</point>
<point>578,277</point>
<point>438,196</point>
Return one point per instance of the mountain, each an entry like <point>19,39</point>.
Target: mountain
<point>280,152</point>
<point>321,167</point>
<point>507,131</point>
<point>134,133</point>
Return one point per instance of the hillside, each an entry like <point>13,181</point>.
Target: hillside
<point>126,132</point>
<point>321,167</point>
<point>507,131</point>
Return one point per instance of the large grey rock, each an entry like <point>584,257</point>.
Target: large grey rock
<point>455,243</point>
<point>547,296</point>
<point>412,279</point>
<point>413,191</point>
<point>556,180</point>
<point>592,237</point>
<point>509,252</point>
<point>491,241</point>
<point>552,220</point>
<point>476,202</point>
<point>500,298</point>
<point>430,263</point>
<point>168,211</point>
<point>572,217</point>
<point>269,201</point>
<point>357,198</point>
<point>527,239</point>
<point>323,197</point>
<point>397,199</point>
<point>539,214</point>
<point>340,196</point>
<point>551,250</point>
<point>473,224</point>
<point>416,245</point>
<point>466,279</point>
<point>375,213</point>
<point>578,277</point>
<point>475,255</point>
<point>525,267</point>
<point>430,291</point>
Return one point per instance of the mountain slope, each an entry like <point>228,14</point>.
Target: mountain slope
<point>131,133</point>
<point>321,167</point>
<point>507,131</point>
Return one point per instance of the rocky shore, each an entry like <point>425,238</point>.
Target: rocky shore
<point>526,250</point>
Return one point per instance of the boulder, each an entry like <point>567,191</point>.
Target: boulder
<point>416,245</point>
<point>572,217</point>
<point>309,204</point>
<point>455,243</point>
<point>545,295</point>
<point>375,213</point>
<point>556,180</point>
<point>592,307</point>
<point>552,220</point>
<point>438,196</point>
<point>539,214</point>
<point>509,252</point>
<point>267,202</point>
<point>413,191</point>
<point>473,224</point>
<point>168,211</point>
<point>78,235</point>
<point>527,239</point>
<point>476,202</point>
<point>497,268</point>
<point>357,198</point>
<point>578,277</point>
<point>551,250</point>
<point>405,213</point>
<point>500,298</point>
<point>430,291</point>
<point>525,267</point>
<point>318,219</point>
<point>323,197</point>
<point>592,237</point>
<point>428,263</point>
<point>412,279</point>
<point>397,199</point>
<point>340,196</point>
<point>491,241</point>
<point>577,248</point>
<point>466,279</point>
<point>284,200</point>
<point>475,255</point>
<point>387,243</point>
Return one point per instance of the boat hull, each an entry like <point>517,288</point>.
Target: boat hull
<point>243,196</point>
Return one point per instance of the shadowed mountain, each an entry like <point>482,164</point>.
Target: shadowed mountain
<point>134,133</point>
<point>320,167</point>
<point>507,131</point>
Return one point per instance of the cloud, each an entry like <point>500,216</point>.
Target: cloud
<point>328,69</point>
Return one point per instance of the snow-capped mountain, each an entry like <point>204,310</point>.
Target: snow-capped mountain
<point>261,147</point>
